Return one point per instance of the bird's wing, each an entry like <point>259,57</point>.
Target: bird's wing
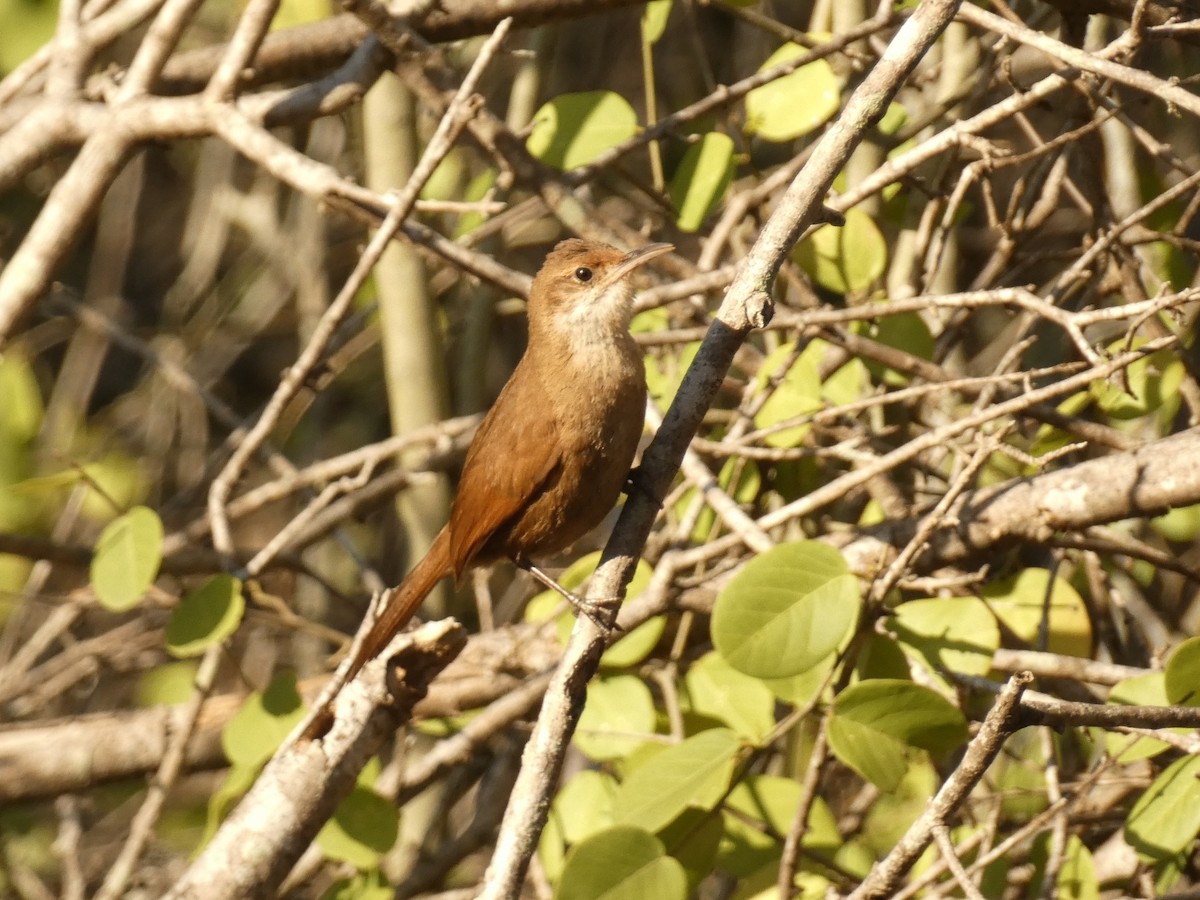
<point>515,453</point>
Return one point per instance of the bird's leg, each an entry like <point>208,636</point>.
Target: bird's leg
<point>603,616</point>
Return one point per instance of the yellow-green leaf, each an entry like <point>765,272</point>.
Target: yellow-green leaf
<point>700,182</point>
<point>794,104</point>
<point>206,616</point>
<point>573,129</point>
<point>127,558</point>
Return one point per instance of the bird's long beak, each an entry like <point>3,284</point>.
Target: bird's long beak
<point>635,258</point>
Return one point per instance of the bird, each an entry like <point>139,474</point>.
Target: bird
<point>555,450</point>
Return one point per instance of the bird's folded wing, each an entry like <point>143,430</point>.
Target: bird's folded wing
<point>511,460</point>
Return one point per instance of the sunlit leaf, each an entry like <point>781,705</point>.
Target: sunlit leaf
<point>701,180</point>
<point>1030,604</point>
<point>786,611</point>
<point>654,20</point>
<point>364,828</point>
<point>846,258</point>
<point>717,690</point>
<point>206,616</point>
<point>1166,818</point>
<point>127,557</point>
<point>875,721</point>
<point>795,392</point>
<point>953,634</point>
<point>692,773</point>
<point>573,129</point>
<point>624,862</point>
<point>795,104</point>
<point>264,720</point>
<point>619,715</point>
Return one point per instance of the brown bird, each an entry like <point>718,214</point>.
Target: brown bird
<point>551,456</point>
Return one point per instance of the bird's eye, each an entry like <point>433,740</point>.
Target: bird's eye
<point>583,273</point>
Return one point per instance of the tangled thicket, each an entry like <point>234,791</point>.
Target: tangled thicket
<point>936,536</point>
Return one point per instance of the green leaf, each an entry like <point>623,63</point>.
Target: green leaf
<point>1166,818</point>
<point>585,805</point>
<point>364,828</point>
<point>797,393</point>
<point>744,492</point>
<point>692,773</point>
<point>879,758</point>
<point>21,411</point>
<point>369,885</point>
<point>573,129</point>
<point>265,719</point>
<point>795,104</point>
<point>1141,690</point>
<point>1142,387</point>
<point>874,722</point>
<point>844,259</point>
<point>167,684</point>
<point>622,863</point>
<point>618,716</point>
<point>786,611</point>
<point>127,557</point>
<point>1022,603</point>
<point>206,616</point>
<point>1076,874</point>
<point>761,808</point>
<point>1182,674</point>
<point>664,372</point>
<point>654,20</point>
<point>907,332</point>
<point>745,704</point>
<point>701,180</point>
<point>1181,524</point>
<point>952,634</point>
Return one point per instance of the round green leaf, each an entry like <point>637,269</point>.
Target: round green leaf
<point>654,20</point>
<point>907,711</point>
<point>797,393</point>
<point>875,722</point>
<point>794,104</point>
<point>585,805</point>
<point>573,129</point>
<point>664,371</point>
<point>1141,690</point>
<point>759,809</point>
<point>1024,601</point>
<point>1141,388</point>
<point>879,758</point>
<point>619,715</point>
<point>260,726</point>
<point>622,863</point>
<point>1166,818</point>
<point>127,557</point>
<point>786,611</point>
<point>364,828</point>
<point>844,259</point>
<point>1076,873</point>
<point>1181,524</point>
<point>692,773</point>
<point>1182,674</point>
<point>701,180</point>
<point>717,690</point>
<point>21,411</point>
<point>952,634</point>
<point>206,616</point>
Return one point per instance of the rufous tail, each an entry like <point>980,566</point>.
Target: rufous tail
<point>404,602</point>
